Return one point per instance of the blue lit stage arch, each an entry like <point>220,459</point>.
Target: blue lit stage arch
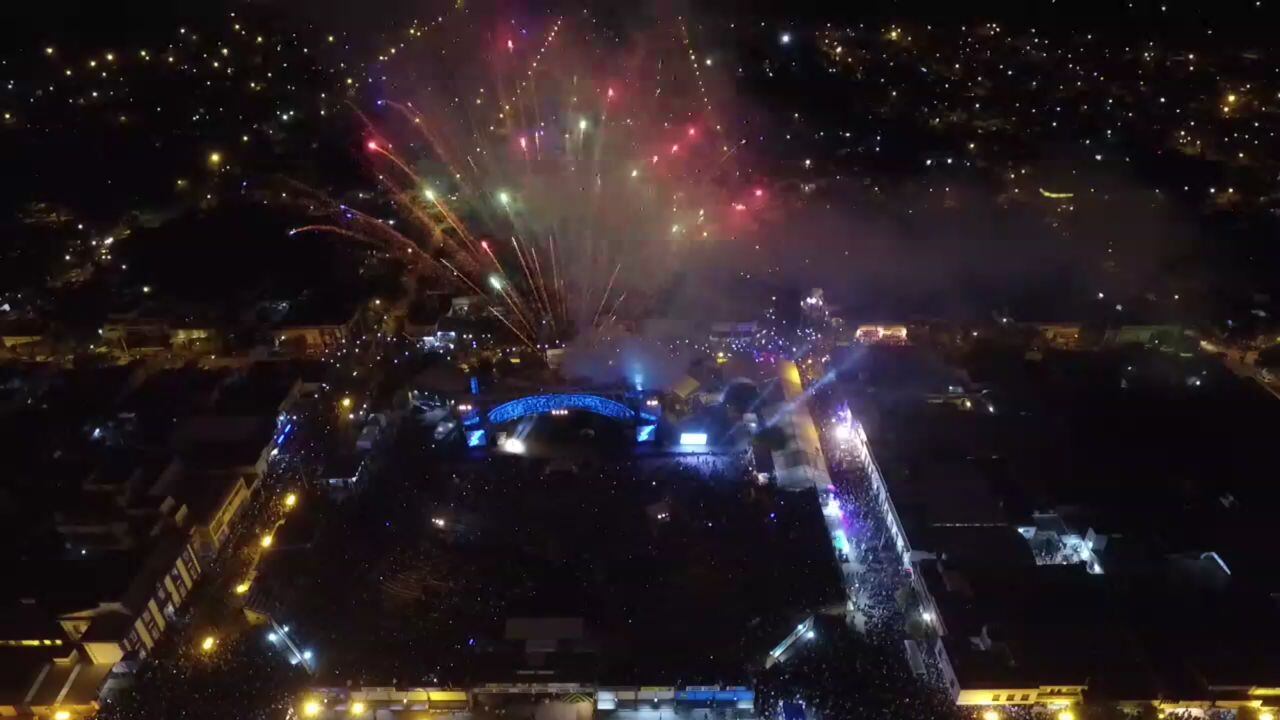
<point>538,404</point>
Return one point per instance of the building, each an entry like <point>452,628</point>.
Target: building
<point>315,326</point>
<point>26,339</point>
<point>1062,336</point>
<point>227,443</point>
<point>43,672</point>
<point>1060,554</point>
<point>139,331</point>
<point>151,481</point>
<point>890,334</point>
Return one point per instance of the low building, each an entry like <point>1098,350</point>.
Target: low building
<point>195,339</point>
<point>139,331</point>
<point>315,326</point>
<point>1062,336</point>
<point>43,672</point>
<point>227,443</point>
<point>885,334</point>
<point>1041,578</point>
<point>26,339</point>
<point>211,503</point>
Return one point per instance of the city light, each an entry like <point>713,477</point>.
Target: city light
<point>215,159</point>
<point>267,540</point>
<point>290,500</point>
<point>515,446</point>
<point>1266,715</point>
<point>243,588</point>
<point>62,715</point>
<point>990,714</point>
<point>357,708</point>
<point>346,402</point>
<point>207,644</point>
<point>1066,715</point>
<point>311,708</point>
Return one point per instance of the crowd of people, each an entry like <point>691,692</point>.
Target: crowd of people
<point>241,677</point>
<point>844,675</point>
<point>859,668</point>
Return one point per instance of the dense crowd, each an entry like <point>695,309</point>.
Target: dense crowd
<point>240,679</point>
<point>844,675</point>
<point>859,668</point>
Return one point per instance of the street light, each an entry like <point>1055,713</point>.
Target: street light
<point>207,644</point>
<point>62,715</point>
<point>267,540</point>
<point>346,402</point>
<point>357,708</point>
<point>1066,715</point>
<point>242,588</point>
<point>290,500</point>
<point>990,714</point>
<point>311,708</point>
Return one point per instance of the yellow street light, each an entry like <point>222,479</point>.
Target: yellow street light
<point>1066,715</point>
<point>242,588</point>
<point>290,500</point>
<point>346,402</point>
<point>215,159</point>
<point>311,708</point>
<point>268,539</point>
<point>1266,715</point>
<point>990,714</point>
<point>357,708</point>
<point>208,643</point>
<point>62,715</point>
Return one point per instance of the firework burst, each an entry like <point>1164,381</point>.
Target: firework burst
<point>559,173</point>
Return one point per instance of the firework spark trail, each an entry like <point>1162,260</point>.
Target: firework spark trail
<point>541,287</point>
<point>501,282</point>
<point>634,195</point>
<point>613,313</point>
<point>496,314</point>
<point>556,279</point>
<point>435,141</point>
<point>608,288</point>
<point>528,277</point>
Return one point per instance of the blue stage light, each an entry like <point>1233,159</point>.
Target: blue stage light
<point>538,404</point>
